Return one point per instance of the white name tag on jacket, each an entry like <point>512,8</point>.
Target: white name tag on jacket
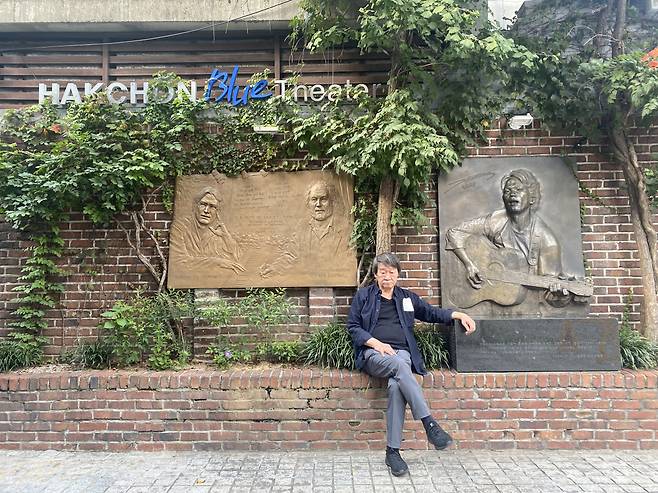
<point>407,305</point>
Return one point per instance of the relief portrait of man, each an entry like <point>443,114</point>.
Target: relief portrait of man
<point>202,237</point>
<point>265,229</point>
<point>320,231</point>
<point>516,240</point>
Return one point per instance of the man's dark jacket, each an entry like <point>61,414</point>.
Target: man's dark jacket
<point>364,314</point>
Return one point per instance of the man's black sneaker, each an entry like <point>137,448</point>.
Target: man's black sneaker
<point>437,436</point>
<point>395,462</point>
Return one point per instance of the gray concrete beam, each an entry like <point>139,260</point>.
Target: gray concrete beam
<point>152,15</point>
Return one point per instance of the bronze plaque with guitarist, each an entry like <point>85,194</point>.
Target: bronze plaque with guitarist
<point>510,231</point>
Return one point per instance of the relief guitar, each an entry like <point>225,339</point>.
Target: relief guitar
<point>505,277</point>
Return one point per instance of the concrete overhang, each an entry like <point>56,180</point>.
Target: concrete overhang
<point>35,16</point>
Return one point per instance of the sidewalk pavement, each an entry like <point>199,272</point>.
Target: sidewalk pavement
<point>454,471</point>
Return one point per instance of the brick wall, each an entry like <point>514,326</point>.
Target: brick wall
<point>99,266</point>
<point>281,408</point>
<point>102,268</point>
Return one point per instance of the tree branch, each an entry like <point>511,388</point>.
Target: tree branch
<point>137,246</point>
<point>158,248</point>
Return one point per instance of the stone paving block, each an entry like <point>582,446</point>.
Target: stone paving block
<point>361,472</point>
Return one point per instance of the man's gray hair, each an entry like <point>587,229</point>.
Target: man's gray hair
<point>331,191</point>
<point>389,259</point>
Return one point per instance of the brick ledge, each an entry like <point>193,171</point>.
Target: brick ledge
<point>250,378</point>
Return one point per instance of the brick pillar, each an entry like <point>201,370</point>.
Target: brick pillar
<point>203,334</point>
<point>321,306</point>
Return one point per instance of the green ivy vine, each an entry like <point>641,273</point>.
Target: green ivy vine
<point>101,159</point>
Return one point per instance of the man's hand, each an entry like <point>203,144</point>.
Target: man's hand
<point>557,289</point>
<point>473,276</point>
<point>220,229</point>
<point>381,347</point>
<point>230,264</point>
<point>466,320</point>
<point>266,270</point>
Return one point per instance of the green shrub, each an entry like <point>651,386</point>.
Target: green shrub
<point>281,351</point>
<point>149,329</point>
<point>225,354</point>
<point>19,350</point>
<point>264,308</point>
<point>95,354</point>
<point>125,334</point>
<point>217,313</point>
<point>330,347</point>
<point>432,348</point>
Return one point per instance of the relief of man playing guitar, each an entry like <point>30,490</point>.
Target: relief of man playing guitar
<point>512,249</point>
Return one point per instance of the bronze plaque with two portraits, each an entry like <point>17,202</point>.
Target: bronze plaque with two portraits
<point>262,230</point>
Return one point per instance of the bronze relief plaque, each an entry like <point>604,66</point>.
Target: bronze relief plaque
<point>262,230</point>
<point>510,239</point>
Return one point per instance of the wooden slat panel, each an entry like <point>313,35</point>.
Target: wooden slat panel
<point>342,67</point>
<point>19,96</point>
<point>183,71</point>
<point>343,78</point>
<point>137,62</point>
<point>90,59</point>
<point>27,47</point>
<point>337,56</point>
<point>149,46</point>
<point>171,59</point>
<point>27,83</point>
<point>60,71</point>
<point>264,44</point>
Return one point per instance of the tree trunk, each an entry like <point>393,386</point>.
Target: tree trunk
<point>645,232</point>
<point>388,187</point>
<point>602,40</point>
<point>620,25</point>
<point>384,213</point>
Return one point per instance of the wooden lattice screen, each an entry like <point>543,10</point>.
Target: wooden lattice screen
<point>24,65</point>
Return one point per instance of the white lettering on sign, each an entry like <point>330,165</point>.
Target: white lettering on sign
<point>318,93</point>
<point>45,93</point>
<point>135,93</point>
<point>116,92</point>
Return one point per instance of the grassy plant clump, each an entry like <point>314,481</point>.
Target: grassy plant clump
<point>96,354</point>
<point>637,352</point>
<point>19,350</point>
<point>330,347</point>
<point>432,348</point>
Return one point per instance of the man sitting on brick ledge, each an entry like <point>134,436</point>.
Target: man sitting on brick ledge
<point>381,324</point>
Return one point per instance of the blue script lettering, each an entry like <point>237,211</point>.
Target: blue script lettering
<point>229,89</point>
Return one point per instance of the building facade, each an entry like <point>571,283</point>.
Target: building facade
<point>60,51</point>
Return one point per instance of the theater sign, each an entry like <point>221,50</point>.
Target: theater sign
<point>220,87</point>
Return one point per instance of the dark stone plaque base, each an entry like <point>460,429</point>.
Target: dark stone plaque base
<point>537,345</point>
